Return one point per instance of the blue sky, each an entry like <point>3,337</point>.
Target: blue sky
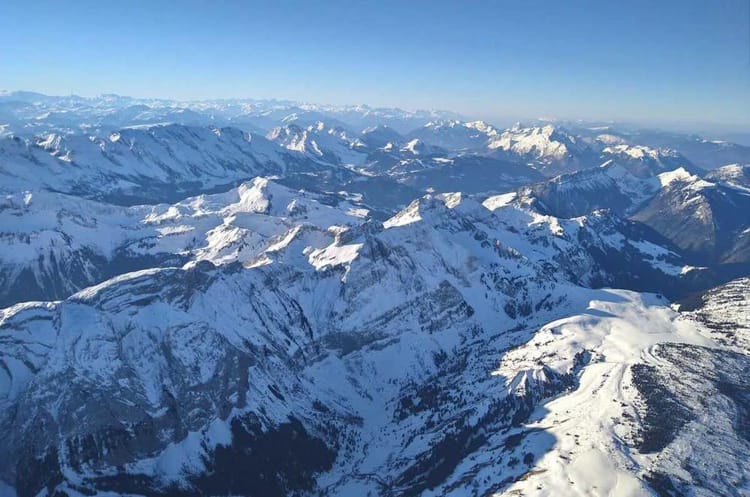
<point>659,61</point>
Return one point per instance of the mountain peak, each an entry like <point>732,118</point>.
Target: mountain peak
<point>682,175</point>
<point>546,144</point>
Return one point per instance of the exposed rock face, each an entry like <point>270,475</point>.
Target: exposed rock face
<point>707,221</point>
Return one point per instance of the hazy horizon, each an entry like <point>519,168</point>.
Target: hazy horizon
<point>669,64</point>
<point>711,130</point>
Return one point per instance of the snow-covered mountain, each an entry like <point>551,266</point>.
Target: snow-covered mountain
<point>156,164</point>
<point>471,136</point>
<point>708,220</point>
<point>470,174</point>
<point>736,174</point>
<point>416,147</point>
<point>654,414</point>
<point>706,153</point>
<point>159,381</point>
<point>335,145</point>
<point>261,297</point>
<point>644,161</point>
<point>609,186</point>
<point>400,120</point>
<point>53,244</point>
<point>549,148</point>
<point>381,137</point>
<point>143,164</point>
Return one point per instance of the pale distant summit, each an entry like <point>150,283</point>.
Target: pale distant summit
<point>546,144</point>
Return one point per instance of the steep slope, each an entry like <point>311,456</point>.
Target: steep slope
<point>708,221</point>
<point>651,411</point>
<point>169,163</point>
<point>380,136</point>
<point>465,173</point>
<point>735,174</point>
<point>143,164</point>
<point>645,162</point>
<point>416,147</point>
<point>426,168</point>
<point>54,244</point>
<point>609,186</point>
<point>318,321</point>
<point>302,334</point>
<point>704,222</point>
<point>724,312</point>
<point>334,145</point>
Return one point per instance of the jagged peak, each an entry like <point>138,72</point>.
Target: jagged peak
<point>50,141</point>
<point>436,206</point>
